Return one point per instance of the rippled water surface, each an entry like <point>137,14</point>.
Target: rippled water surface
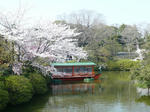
<point>113,92</point>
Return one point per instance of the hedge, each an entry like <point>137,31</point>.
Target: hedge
<point>4,98</point>
<point>19,88</point>
<point>121,65</point>
<point>39,83</point>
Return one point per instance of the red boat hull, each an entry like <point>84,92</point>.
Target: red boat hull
<point>75,78</point>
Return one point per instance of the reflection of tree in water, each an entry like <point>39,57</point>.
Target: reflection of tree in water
<point>144,99</point>
<point>116,86</point>
<point>37,104</point>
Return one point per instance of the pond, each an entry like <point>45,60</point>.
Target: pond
<point>113,92</point>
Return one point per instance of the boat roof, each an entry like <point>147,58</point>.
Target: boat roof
<point>74,64</point>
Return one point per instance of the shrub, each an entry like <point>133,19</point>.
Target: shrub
<point>27,70</point>
<point>141,75</point>
<point>19,88</point>
<point>4,98</point>
<point>39,83</point>
<point>112,66</point>
<point>8,71</point>
<point>2,85</point>
<point>48,79</point>
<point>121,65</point>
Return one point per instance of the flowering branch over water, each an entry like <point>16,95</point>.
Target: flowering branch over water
<point>55,41</point>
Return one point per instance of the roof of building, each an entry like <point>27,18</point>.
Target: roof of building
<point>74,64</point>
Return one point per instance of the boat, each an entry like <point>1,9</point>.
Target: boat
<point>76,71</point>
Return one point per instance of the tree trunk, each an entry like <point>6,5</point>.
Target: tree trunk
<point>12,56</point>
<point>12,53</point>
<point>19,53</point>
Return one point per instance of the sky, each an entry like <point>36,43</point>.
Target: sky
<point>113,11</point>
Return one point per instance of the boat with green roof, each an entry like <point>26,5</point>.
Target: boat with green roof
<point>74,71</point>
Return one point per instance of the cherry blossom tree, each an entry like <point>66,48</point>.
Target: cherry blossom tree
<point>11,28</point>
<point>42,40</point>
<point>53,41</point>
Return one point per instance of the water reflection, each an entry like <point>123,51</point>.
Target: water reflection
<point>144,99</point>
<point>113,93</point>
<point>144,96</point>
<point>35,105</point>
<point>76,88</point>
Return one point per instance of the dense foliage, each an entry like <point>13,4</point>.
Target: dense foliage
<point>4,98</point>
<point>20,89</point>
<point>141,75</point>
<point>5,56</point>
<point>121,65</point>
<point>38,82</point>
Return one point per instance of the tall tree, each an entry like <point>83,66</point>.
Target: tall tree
<point>84,21</point>
<point>45,40</point>
<point>130,36</point>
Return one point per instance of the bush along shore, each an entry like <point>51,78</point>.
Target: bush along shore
<point>120,65</point>
<point>18,89</point>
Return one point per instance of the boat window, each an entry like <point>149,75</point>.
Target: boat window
<point>89,69</point>
<point>76,69</point>
<point>59,70</point>
<point>83,70</point>
<point>67,70</point>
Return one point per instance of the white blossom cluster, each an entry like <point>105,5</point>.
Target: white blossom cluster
<point>53,41</point>
<point>47,39</point>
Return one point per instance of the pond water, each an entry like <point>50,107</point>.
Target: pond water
<point>113,92</point>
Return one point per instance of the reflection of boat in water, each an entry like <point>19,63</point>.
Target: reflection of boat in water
<point>74,71</point>
<point>76,88</point>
